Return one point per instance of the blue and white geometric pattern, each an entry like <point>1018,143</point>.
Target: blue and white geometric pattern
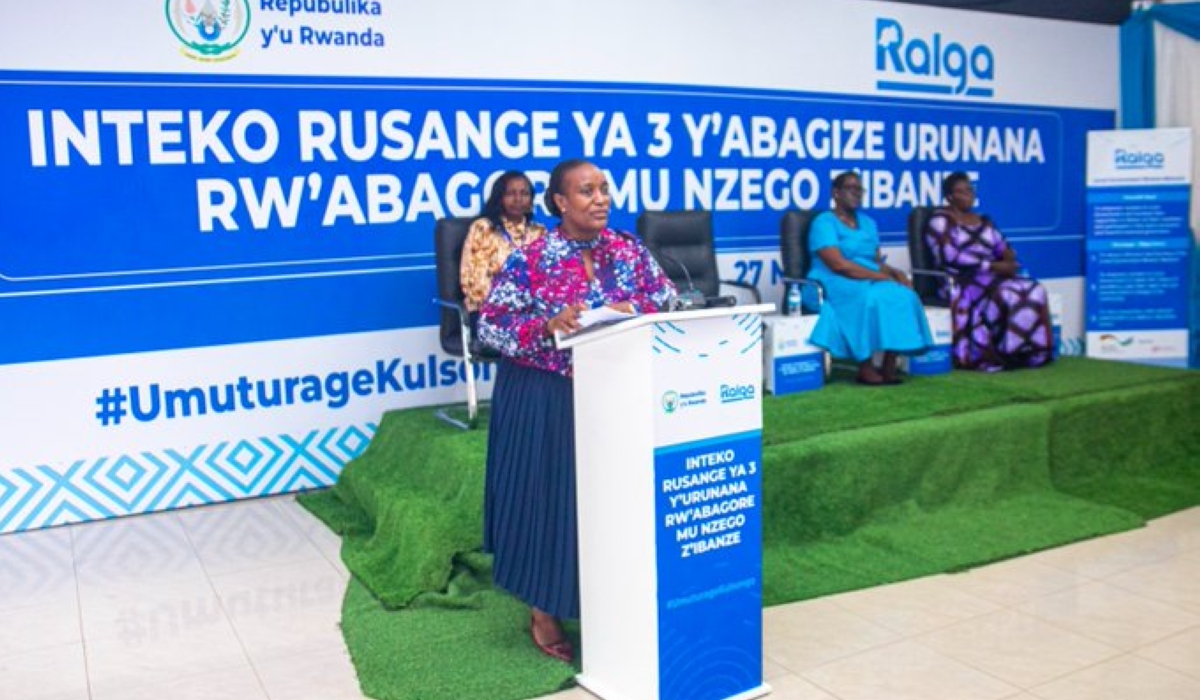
<point>144,482</point>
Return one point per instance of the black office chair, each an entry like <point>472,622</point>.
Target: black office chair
<point>456,330</point>
<point>928,281</point>
<point>796,260</point>
<point>682,242</point>
<point>795,256</point>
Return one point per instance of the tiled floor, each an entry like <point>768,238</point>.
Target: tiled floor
<point>241,602</point>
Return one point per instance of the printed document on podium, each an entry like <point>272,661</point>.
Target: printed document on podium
<point>593,319</point>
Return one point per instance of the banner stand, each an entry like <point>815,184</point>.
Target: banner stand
<point>1139,246</point>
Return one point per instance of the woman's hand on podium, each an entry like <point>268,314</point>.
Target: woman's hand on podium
<point>565,321</point>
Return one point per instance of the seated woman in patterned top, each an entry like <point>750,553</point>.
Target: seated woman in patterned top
<point>1001,321</point>
<point>529,490</point>
<point>506,224</point>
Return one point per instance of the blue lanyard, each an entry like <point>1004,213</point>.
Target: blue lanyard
<point>507,236</point>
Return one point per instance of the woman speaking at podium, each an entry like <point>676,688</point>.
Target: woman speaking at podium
<point>529,499</point>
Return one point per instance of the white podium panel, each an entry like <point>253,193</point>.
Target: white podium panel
<point>791,363</point>
<point>668,412</point>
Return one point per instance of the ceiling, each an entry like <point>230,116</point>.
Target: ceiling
<point>1095,11</point>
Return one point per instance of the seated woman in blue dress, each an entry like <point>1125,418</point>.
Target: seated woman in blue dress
<point>869,307</point>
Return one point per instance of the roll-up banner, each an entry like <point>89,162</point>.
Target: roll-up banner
<point>1139,246</point>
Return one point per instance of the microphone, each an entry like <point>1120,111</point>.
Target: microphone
<point>692,298</point>
<point>714,302</point>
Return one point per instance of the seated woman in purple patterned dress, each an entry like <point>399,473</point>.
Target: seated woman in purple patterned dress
<point>1001,321</point>
<point>529,490</point>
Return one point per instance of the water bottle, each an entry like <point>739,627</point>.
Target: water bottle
<point>791,304</point>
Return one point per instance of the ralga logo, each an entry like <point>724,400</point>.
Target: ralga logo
<point>932,65</point>
<point>1133,160</point>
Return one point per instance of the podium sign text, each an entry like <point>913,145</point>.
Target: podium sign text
<point>707,463</point>
<point>709,546</point>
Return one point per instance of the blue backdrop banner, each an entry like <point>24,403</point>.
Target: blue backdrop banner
<point>235,209</point>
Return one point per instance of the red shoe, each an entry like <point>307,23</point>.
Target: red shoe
<point>561,650</point>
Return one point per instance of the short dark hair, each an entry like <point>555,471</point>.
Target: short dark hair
<point>556,182</point>
<point>949,182</point>
<point>840,180</point>
<point>493,209</point>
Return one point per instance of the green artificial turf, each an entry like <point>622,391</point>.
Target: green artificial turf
<point>407,504</point>
<point>1137,449</point>
<point>861,486</point>
<point>909,542</point>
<point>479,649</point>
<point>841,404</point>
<point>831,485</point>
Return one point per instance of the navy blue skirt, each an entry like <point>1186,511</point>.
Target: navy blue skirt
<point>529,501</point>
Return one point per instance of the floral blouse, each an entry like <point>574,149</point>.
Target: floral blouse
<point>485,251</point>
<point>541,279</point>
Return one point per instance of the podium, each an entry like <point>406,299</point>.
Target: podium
<point>668,430</point>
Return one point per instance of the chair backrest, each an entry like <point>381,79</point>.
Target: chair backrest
<point>920,257</point>
<point>449,234</point>
<point>793,242</point>
<point>682,242</point>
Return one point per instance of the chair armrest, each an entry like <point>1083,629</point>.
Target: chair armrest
<point>464,325</point>
<point>452,305</point>
<point>932,273</point>
<point>941,274</point>
<point>472,348</point>
<point>747,286</point>
<point>950,278</point>
<point>951,284</point>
